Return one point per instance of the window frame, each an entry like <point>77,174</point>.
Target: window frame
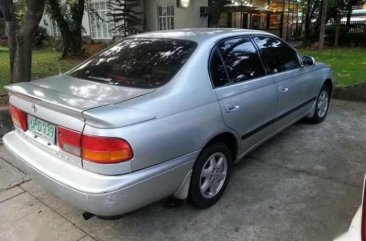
<point>169,19</point>
<point>301,65</point>
<point>213,50</point>
<point>230,83</point>
<point>97,24</point>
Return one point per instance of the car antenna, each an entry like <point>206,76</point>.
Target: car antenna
<point>59,70</point>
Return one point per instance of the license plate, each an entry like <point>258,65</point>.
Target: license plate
<point>42,129</point>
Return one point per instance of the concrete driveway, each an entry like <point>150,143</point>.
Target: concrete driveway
<point>304,184</point>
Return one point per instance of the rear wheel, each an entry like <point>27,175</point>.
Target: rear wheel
<point>210,176</point>
<point>322,106</point>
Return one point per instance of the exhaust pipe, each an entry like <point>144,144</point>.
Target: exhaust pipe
<point>87,215</point>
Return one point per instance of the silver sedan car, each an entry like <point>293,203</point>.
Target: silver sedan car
<point>162,114</point>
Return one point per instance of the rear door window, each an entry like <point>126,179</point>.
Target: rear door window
<point>218,72</point>
<point>241,59</point>
<point>136,62</point>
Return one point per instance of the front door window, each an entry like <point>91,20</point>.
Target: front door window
<point>276,54</point>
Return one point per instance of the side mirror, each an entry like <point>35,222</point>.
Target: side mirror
<point>307,60</point>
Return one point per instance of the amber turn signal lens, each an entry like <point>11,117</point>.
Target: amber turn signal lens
<point>105,150</point>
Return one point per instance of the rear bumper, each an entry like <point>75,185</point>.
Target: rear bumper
<point>99,194</point>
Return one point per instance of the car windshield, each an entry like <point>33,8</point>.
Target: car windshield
<point>136,62</point>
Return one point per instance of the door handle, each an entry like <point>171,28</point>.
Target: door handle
<point>231,108</point>
<point>283,89</point>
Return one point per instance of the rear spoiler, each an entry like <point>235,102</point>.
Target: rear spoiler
<point>126,116</point>
<point>45,97</point>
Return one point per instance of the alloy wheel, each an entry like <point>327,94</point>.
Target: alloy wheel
<point>213,175</point>
<point>323,102</point>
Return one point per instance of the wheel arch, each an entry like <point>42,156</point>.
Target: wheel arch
<point>328,82</point>
<point>228,138</point>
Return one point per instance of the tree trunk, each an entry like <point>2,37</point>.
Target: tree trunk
<point>337,30</point>
<point>322,24</point>
<point>307,33</point>
<point>215,8</point>
<point>77,43</point>
<point>72,43</point>
<point>65,44</point>
<point>70,32</point>
<point>11,29</point>
<point>349,14</point>
<point>24,39</point>
<point>23,59</point>
<point>7,10</point>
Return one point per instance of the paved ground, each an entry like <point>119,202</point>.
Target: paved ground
<point>304,184</point>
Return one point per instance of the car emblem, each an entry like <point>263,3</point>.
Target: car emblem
<point>34,108</point>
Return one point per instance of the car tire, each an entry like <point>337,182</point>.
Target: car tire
<point>210,175</point>
<point>322,106</point>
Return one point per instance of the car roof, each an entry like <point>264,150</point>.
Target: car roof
<point>199,35</point>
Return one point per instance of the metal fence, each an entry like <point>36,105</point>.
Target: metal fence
<point>352,35</point>
<point>354,26</point>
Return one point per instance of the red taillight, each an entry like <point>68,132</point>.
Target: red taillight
<point>105,150</point>
<point>363,223</point>
<point>69,140</point>
<point>97,149</point>
<point>19,117</point>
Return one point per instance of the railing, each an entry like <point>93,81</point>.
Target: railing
<point>354,26</point>
<point>352,35</point>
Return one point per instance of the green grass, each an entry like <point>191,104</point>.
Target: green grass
<point>348,64</point>
<point>44,63</point>
<point>4,68</point>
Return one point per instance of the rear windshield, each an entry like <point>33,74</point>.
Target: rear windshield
<point>140,63</point>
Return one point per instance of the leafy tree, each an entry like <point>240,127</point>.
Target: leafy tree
<point>7,9</point>
<point>215,9</point>
<point>20,30</point>
<point>126,16</point>
<point>68,16</point>
<point>336,9</point>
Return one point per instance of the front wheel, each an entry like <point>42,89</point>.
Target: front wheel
<point>322,106</point>
<point>210,176</point>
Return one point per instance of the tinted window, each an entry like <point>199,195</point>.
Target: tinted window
<point>218,72</point>
<point>241,59</point>
<point>277,55</point>
<point>142,63</point>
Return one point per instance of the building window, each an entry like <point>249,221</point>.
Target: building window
<point>100,26</point>
<point>166,17</point>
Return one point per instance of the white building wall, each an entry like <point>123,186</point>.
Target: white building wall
<point>183,18</point>
<point>46,23</point>
<point>190,17</point>
<point>86,23</point>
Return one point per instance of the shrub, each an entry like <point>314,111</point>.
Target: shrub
<point>40,36</point>
<point>3,41</point>
<point>347,37</point>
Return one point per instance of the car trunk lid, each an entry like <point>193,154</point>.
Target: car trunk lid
<point>73,94</point>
